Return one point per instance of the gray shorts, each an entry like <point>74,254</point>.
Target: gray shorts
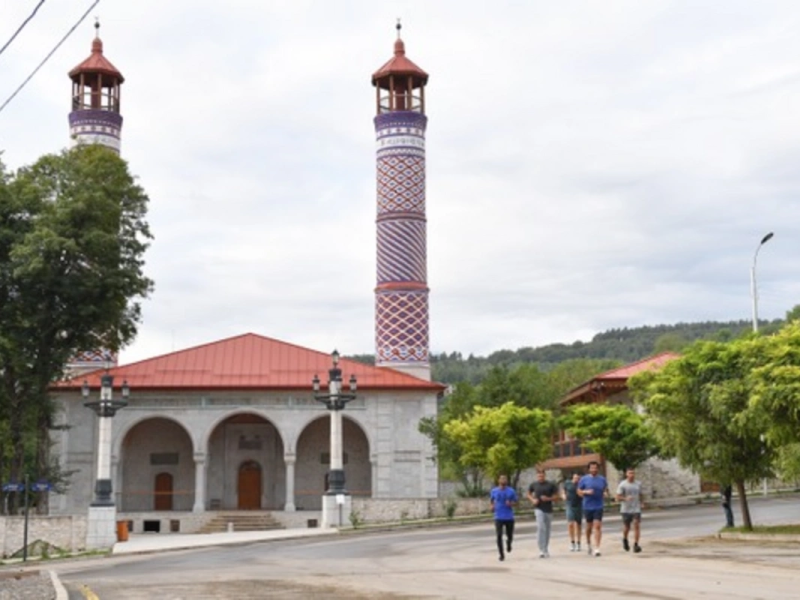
<point>574,514</point>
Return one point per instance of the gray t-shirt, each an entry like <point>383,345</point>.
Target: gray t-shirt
<point>634,490</point>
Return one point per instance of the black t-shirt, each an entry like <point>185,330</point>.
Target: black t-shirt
<point>545,488</point>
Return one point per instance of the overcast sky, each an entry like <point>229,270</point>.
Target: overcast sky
<point>590,164</point>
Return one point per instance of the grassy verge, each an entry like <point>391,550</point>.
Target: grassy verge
<point>766,529</point>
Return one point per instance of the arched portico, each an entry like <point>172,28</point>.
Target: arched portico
<point>313,461</point>
<point>156,458</point>
<point>244,464</point>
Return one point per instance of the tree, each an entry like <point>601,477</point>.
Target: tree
<point>670,342</point>
<point>504,439</point>
<point>699,408</point>
<point>617,432</point>
<point>72,239</point>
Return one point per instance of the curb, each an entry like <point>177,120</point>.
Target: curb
<point>61,591</point>
<point>761,537</point>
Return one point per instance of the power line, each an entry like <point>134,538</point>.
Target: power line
<point>21,27</point>
<point>46,58</point>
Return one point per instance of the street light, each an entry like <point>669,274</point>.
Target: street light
<point>335,401</point>
<point>753,287</point>
<point>105,408</point>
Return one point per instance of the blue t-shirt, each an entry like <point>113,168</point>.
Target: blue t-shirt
<point>500,496</point>
<point>597,483</point>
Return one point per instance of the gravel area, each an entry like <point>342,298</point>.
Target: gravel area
<point>26,585</point>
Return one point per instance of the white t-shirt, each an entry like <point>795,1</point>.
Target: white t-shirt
<point>634,490</point>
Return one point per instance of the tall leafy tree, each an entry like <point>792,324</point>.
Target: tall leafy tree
<point>503,439</point>
<point>617,432</point>
<point>72,240</point>
<point>701,412</point>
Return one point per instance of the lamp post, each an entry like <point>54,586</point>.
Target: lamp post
<point>335,400</point>
<point>753,286</point>
<point>105,408</point>
<point>754,294</point>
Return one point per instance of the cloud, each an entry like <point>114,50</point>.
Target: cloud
<point>590,165</point>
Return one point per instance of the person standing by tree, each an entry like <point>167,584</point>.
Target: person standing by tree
<point>726,491</point>
<point>503,499</point>
<point>574,504</point>
<point>542,493</point>
<point>629,493</point>
<point>593,488</point>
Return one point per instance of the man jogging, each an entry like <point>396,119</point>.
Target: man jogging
<point>629,493</point>
<point>574,504</point>
<point>503,499</point>
<point>592,488</point>
<point>542,493</point>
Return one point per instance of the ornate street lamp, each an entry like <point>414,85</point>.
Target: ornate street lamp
<point>105,408</point>
<point>336,499</point>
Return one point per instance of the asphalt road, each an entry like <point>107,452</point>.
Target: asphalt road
<point>461,562</point>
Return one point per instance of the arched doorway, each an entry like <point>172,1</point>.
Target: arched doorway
<point>152,451</point>
<point>313,462</point>
<point>163,492</point>
<point>246,470</point>
<point>249,486</point>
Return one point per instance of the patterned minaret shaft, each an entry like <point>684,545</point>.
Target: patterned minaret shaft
<point>401,295</point>
<point>95,116</point>
<point>95,119</point>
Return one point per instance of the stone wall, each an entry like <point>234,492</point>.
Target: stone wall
<point>387,511</point>
<point>67,533</point>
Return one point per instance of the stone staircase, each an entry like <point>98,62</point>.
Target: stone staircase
<point>247,520</point>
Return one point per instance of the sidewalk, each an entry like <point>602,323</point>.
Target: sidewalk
<point>157,542</point>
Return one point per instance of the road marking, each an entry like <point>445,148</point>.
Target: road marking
<point>89,594</point>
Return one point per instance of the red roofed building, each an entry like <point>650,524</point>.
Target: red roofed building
<point>233,425</point>
<point>660,478</point>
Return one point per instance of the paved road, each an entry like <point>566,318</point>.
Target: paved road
<point>461,562</point>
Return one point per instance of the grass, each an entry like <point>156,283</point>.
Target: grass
<point>767,529</point>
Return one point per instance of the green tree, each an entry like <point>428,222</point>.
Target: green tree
<point>72,239</point>
<point>670,342</point>
<point>503,439</point>
<point>700,409</point>
<point>617,432</point>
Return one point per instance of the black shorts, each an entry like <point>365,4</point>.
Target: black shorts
<point>593,515</point>
<point>628,518</point>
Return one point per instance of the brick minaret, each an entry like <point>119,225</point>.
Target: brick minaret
<point>95,119</point>
<point>95,116</point>
<point>401,296</point>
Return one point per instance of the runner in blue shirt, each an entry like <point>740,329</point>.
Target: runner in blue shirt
<point>593,488</point>
<point>503,500</point>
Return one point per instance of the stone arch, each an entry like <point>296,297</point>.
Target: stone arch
<point>118,439</point>
<point>354,417</point>
<point>206,435</point>
<point>238,437</point>
<point>313,461</point>
<point>154,445</point>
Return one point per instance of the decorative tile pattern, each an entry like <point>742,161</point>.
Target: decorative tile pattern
<point>401,332</point>
<point>401,315</point>
<point>96,127</point>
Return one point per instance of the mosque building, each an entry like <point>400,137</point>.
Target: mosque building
<point>233,425</point>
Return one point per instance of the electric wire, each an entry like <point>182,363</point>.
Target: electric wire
<point>46,58</point>
<point>21,27</point>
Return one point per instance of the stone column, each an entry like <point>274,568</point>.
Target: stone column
<point>116,479</point>
<point>199,482</point>
<point>289,505</point>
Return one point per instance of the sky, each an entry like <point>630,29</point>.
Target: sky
<point>590,165</point>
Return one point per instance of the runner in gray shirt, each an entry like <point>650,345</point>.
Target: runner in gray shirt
<point>629,493</point>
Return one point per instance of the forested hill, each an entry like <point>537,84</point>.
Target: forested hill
<point>624,345</point>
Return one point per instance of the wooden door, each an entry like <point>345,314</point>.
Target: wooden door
<point>249,486</point>
<point>163,492</point>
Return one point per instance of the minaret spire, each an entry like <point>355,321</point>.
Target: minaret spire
<point>401,294</point>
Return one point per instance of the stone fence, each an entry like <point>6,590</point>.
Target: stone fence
<point>376,510</point>
<point>64,533</point>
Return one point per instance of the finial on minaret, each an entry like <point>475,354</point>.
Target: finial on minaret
<point>97,27</point>
<point>399,26</point>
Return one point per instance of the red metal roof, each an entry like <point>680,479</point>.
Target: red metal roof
<point>248,361</point>
<point>96,63</point>
<point>399,64</point>
<point>619,376</point>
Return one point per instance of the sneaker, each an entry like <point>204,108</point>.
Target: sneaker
<point>578,547</point>
<point>502,557</point>
<point>572,547</point>
<point>637,548</point>
<point>508,546</point>
<point>625,544</point>
<point>590,550</point>
<point>597,552</point>
<point>542,554</point>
